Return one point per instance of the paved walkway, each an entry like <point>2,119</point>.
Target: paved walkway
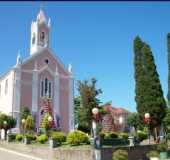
<point>7,154</point>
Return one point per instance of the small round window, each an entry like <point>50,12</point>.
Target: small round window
<point>46,61</point>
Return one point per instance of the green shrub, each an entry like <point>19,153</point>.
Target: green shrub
<point>11,136</point>
<point>152,154</point>
<point>111,135</point>
<point>31,136</point>
<point>124,135</point>
<point>59,136</point>
<point>120,155</point>
<point>163,146</point>
<point>19,137</point>
<point>141,135</point>
<point>168,136</point>
<point>42,138</point>
<point>102,135</point>
<point>77,137</point>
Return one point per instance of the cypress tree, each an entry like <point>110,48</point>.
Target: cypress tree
<point>149,95</point>
<point>154,101</point>
<point>139,74</point>
<point>168,44</point>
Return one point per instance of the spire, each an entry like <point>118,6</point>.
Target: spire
<point>18,58</point>
<point>49,22</point>
<point>41,16</point>
<point>70,68</point>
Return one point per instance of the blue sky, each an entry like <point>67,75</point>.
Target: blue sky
<point>95,37</point>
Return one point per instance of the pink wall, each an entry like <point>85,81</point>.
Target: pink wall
<point>26,90</point>
<point>64,103</point>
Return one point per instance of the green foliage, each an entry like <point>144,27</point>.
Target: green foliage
<point>141,135</point>
<point>12,136</point>
<point>77,137</point>
<point>168,136</point>
<point>149,93</point>
<point>120,155</point>
<point>59,136</point>
<point>45,123</point>
<point>133,120</point>
<point>124,135</point>
<point>25,112</point>
<point>10,121</point>
<point>152,154</point>
<point>29,123</point>
<point>168,46</point>
<point>102,135</point>
<point>111,135</point>
<point>31,136</point>
<point>166,120</point>
<point>19,137</point>
<point>42,138</point>
<point>163,146</point>
<point>85,103</point>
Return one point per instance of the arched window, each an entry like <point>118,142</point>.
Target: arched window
<point>46,88</point>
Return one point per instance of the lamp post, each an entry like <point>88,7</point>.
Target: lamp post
<point>5,128</point>
<point>23,125</point>
<point>95,112</point>
<point>147,120</point>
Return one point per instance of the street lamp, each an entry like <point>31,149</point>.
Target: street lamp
<point>147,120</point>
<point>95,112</point>
<point>23,124</point>
<point>5,128</point>
<point>50,119</point>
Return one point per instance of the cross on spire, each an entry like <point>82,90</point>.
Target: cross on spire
<point>42,5</point>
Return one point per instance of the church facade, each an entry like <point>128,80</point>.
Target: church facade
<point>40,75</point>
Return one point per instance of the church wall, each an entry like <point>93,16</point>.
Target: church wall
<point>26,90</point>
<point>6,100</point>
<point>64,104</point>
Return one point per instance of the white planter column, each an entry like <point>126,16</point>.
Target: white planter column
<point>35,93</point>
<point>57,100</point>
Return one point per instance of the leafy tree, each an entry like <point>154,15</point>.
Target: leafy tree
<point>45,122</point>
<point>7,122</point>
<point>133,120</point>
<point>168,45</point>
<point>29,123</point>
<point>166,121</point>
<point>87,101</point>
<point>149,95</point>
<point>25,112</point>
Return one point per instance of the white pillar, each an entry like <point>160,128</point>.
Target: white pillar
<point>17,96</point>
<point>35,93</point>
<point>71,103</point>
<point>56,97</point>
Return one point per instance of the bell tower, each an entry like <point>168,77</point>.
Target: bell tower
<point>40,30</point>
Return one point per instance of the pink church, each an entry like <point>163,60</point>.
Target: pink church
<point>40,75</point>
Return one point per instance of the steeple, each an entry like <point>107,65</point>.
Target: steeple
<point>40,32</point>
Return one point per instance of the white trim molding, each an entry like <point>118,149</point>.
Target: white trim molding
<point>56,97</point>
<point>35,91</point>
<point>17,96</point>
<point>71,103</point>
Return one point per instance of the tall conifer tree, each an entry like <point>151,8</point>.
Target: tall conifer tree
<point>139,74</point>
<point>168,45</point>
<point>154,101</point>
<point>149,95</point>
